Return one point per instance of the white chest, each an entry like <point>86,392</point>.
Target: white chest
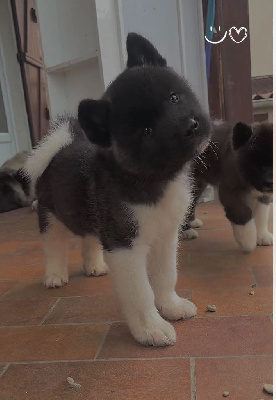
<point>168,213</point>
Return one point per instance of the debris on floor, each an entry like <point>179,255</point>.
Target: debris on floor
<point>252,293</point>
<point>268,387</point>
<point>225,394</point>
<point>211,308</point>
<point>73,384</point>
<point>254,285</point>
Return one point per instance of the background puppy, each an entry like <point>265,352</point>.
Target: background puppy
<point>128,191</point>
<point>14,188</point>
<point>240,163</point>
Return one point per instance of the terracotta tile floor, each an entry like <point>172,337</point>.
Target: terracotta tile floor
<point>78,331</point>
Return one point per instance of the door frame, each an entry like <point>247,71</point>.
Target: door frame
<point>18,136</point>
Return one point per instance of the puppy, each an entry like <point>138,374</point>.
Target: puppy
<point>14,188</point>
<point>126,189</point>
<point>239,163</point>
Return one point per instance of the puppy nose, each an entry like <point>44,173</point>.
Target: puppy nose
<point>193,125</point>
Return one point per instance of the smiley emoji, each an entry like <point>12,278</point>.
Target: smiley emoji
<point>213,30</point>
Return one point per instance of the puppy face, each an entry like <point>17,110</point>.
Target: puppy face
<point>254,146</point>
<point>149,116</point>
<point>11,193</point>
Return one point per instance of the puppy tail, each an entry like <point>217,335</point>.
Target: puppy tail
<point>59,136</point>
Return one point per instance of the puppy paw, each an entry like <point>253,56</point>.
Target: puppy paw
<point>96,270</point>
<point>246,236</point>
<point>196,223</point>
<point>55,281</point>
<point>153,332</point>
<point>266,239</point>
<point>188,234</point>
<point>34,205</point>
<point>178,308</point>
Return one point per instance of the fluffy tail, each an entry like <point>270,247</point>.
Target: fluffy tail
<point>59,136</point>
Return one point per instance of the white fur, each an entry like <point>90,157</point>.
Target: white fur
<point>196,223</point>
<point>156,246</point>
<point>163,275</point>
<point>92,254</point>
<point>35,205</point>
<point>246,235</point>
<point>261,213</point>
<point>188,234</point>
<point>55,246</point>
<point>49,146</point>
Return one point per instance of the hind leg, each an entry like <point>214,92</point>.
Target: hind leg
<point>187,230</point>
<point>92,254</point>
<point>261,214</point>
<point>240,215</point>
<point>55,246</point>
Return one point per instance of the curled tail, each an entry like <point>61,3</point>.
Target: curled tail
<point>59,136</point>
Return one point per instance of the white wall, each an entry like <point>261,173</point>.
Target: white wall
<point>69,36</point>
<point>158,21</point>
<point>17,138</point>
<point>67,88</point>
<point>68,30</point>
<point>175,27</point>
<point>261,37</point>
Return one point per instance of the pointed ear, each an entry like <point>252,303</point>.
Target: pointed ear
<point>141,52</point>
<point>93,116</point>
<point>241,134</point>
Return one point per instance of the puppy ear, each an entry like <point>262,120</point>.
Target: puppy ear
<point>141,52</point>
<point>93,116</point>
<point>241,134</point>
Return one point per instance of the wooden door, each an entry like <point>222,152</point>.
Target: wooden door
<point>30,59</point>
<point>229,86</point>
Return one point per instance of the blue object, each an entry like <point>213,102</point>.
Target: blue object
<point>210,19</point>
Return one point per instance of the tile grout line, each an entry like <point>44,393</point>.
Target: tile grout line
<point>102,343</point>
<point>63,324</point>
<point>104,322</point>
<point>210,317</point>
<point>4,370</point>
<point>137,359</point>
<point>54,297</point>
<point>2,297</point>
<point>193,378</point>
<point>49,312</point>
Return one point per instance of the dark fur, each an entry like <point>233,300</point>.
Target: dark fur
<point>238,161</point>
<point>89,186</point>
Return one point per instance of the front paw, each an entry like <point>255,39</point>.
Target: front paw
<point>188,234</point>
<point>153,331</point>
<point>266,239</point>
<point>55,281</point>
<point>246,235</point>
<point>96,270</point>
<point>196,223</point>
<point>177,308</point>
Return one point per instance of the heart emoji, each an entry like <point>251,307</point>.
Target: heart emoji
<point>238,32</point>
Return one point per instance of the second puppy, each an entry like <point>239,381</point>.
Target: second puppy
<point>239,162</point>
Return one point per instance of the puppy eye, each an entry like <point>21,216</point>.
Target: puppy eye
<point>174,98</point>
<point>147,131</point>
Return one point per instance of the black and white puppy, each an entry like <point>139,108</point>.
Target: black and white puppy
<point>14,188</point>
<point>126,189</point>
<point>239,162</point>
